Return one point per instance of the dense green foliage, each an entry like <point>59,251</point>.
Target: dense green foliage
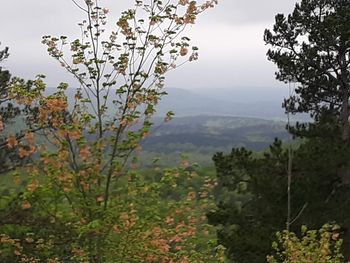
<point>252,204</point>
<point>311,47</point>
<point>159,215</point>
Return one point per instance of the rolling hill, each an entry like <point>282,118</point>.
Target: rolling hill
<point>201,136</point>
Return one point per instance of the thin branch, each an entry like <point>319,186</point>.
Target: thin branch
<point>79,6</point>
<point>299,214</point>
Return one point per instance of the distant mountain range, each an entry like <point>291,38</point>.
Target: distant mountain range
<point>263,103</point>
<point>208,121</point>
<point>257,103</point>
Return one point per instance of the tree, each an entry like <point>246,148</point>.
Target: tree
<point>5,74</point>
<point>312,47</point>
<point>7,111</point>
<point>252,199</point>
<point>84,181</point>
<point>13,128</point>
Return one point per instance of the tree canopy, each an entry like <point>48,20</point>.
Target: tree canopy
<point>252,195</point>
<point>311,46</point>
<point>82,198</point>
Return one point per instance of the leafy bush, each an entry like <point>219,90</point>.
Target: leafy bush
<point>316,246</point>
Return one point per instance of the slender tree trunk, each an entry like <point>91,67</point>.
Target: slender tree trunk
<point>345,86</point>
<point>344,171</point>
<point>344,115</point>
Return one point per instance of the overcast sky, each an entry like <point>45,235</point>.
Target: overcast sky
<point>230,38</point>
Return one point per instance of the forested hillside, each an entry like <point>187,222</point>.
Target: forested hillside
<point>198,137</point>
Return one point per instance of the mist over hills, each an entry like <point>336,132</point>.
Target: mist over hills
<point>250,102</point>
<point>208,120</point>
<point>254,102</point>
<point>212,120</point>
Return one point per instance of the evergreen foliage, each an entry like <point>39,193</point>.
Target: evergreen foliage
<point>252,204</point>
<point>311,46</point>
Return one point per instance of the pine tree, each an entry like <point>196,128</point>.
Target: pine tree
<point>311,46</point>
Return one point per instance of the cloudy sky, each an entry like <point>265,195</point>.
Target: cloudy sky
<point>230,38</point>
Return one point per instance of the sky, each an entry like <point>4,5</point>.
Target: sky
<point>229,37</point>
